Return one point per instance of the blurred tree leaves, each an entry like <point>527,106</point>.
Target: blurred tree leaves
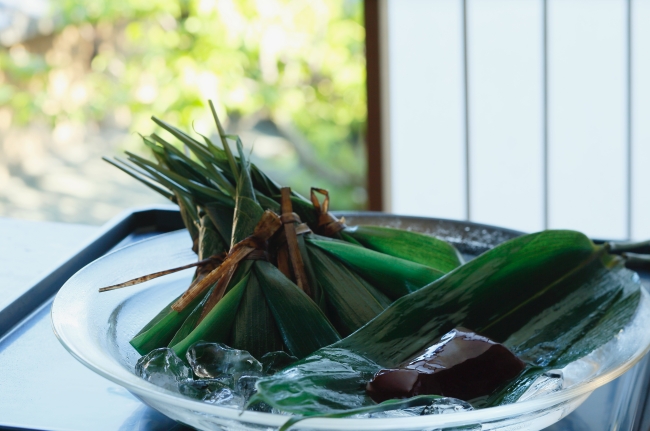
<point>288,74</point>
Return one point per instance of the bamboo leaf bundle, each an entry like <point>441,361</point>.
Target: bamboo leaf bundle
<point>289,289</point>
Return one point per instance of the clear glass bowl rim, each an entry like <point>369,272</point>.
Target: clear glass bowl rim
<point>111,370</point>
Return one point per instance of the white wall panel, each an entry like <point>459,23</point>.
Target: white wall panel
<point>505,59</point>
<point>641,119</point>
<point>587,116</point>
<point>426,112</point>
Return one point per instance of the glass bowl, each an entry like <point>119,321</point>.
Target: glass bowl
<point>96,328</point>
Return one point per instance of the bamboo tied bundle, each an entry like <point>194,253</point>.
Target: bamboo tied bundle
<point>276,270</point>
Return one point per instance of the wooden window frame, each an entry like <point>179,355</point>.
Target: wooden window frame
<point>374,146</point>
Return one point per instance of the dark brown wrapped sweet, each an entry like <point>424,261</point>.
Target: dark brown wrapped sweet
<point>462,365</point>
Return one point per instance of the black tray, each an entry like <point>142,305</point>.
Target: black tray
<point>42,387</point>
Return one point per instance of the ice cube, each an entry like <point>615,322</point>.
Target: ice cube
<point>226,398</point>
<point>273,362</point>
<point>212,360</point>
<point>547,383</point>
<point>245,386</point>
<point>202,388</point>
<point>163,368</point>
<point>190,390</point>
<point>446,405</point>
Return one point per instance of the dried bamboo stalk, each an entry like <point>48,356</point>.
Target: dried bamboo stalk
<point>266,227</point>
<point>148,277</point>
<point>288,221</point>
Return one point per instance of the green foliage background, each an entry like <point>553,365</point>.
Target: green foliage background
<point>288,75</point>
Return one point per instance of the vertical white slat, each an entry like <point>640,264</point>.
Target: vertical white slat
<point>505,64</point>
<point>587,116</point>
<point>641,119</point>
<point>426,113</point>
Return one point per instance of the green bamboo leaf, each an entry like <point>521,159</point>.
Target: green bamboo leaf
<point>157,149</point>
<point>551,297</point>
<point>179,134</point>
<point>153,175</point>
<point>203,192</point>
<point>155,171</point>
<point>181,196</point>
<point>496,294</point>
<point>247,214</point>
<point>192,320</point>
<point>594,321</point>
<point>254,329</point>
<point>248,211</point>
<point>180,167</point>
<point>221,216</point>
<point>348,238</point>
<point>172,162</point>
<point>220,159</point>
<point>317,292</point>
<point>393,276</point>
<point>189,214</point>
<point>263,183</point>
<point>216,325</point>
<point>244,182</point>
<point>267,203</point>
<point>222,134</point>
<point>211,242</point>
<point>161,329</point>
<point>416,247</point>
<point>353,302</point>
<point>303,325</point>
<point>191,167</point>
<point>268,186</point>
<point>227,162</point>
<point>218,155</point>
<point>201,152</point>
<point>216,166</point>
<point>144,180</point>
<point>222,182</point>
